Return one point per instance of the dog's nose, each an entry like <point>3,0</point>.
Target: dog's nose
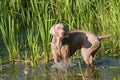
<point>63,33</point>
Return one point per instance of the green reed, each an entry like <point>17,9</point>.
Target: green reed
<point>8,35</point>
<point>33,42</point>
<point>35,17</point>
<point>0,66</point>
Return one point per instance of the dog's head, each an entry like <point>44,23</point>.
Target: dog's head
<point>59,30</point>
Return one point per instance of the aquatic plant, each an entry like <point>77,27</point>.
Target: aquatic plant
<point>8,35</point>
<point>35,17</point>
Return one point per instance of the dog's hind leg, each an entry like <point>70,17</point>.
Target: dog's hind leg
<point>88,53</point>
<point>85,55</point>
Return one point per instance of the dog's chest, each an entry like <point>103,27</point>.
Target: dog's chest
<point>63,47</point>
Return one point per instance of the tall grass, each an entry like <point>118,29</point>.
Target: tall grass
<point>8,35</point>
<point>35,17</point>
<point>33,42</point>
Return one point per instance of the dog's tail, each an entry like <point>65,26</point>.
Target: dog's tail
<point>103,37</point>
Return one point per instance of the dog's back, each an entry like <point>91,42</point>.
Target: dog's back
<point>80,38</point>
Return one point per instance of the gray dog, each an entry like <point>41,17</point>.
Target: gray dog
<point>65,43</point>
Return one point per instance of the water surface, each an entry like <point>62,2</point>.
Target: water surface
<point>105,68</point>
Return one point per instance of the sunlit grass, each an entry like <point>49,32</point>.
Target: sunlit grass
<point>8,35</point>
<point>35,17</point>
<point>33,42</point>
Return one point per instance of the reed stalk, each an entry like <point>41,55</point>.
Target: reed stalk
<point>8,35</point>
<point>35,17</point>
<point>33,42</point>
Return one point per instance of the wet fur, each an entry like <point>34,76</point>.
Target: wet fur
<point>66,45</point>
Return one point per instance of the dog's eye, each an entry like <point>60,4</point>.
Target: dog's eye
<point>64,29</point>
<point>58,28</point>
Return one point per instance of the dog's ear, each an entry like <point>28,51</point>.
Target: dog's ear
<point>66,30</point>
<point>52,30</point>
<point>67,33</point>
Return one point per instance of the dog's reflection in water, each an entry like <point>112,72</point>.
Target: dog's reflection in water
<point>91,74</point>
<point>65,72</point>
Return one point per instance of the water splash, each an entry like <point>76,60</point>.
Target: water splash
<point>63,65</point>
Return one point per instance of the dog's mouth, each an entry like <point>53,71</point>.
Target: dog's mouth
<point>63,35</point>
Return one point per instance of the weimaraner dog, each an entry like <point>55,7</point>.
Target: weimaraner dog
<point>65,42</point>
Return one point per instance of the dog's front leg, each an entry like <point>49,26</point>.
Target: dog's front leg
<point>55,56</point>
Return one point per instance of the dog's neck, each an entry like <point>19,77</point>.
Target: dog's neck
<point>60,41</point>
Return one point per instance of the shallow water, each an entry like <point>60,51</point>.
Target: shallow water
<point>105,68</point>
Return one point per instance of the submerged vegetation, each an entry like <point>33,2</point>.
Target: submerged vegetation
<point>25,24</point>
